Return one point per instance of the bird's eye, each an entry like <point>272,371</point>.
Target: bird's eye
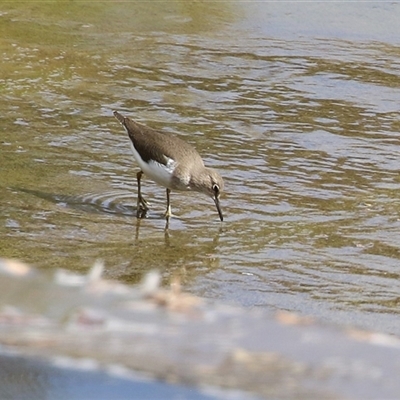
<point>215,188</point>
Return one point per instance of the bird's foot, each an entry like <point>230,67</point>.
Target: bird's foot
<point>168,213</point>
<point>143,202</point>
<point>141,213</point>
<point>142,207</point>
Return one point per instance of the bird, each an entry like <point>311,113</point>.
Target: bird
<point>170,162</point>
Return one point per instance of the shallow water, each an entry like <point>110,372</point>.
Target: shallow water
<point>296,104</point>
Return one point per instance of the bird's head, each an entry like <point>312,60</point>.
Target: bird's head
<point>211,183</point>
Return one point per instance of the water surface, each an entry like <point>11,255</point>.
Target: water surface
<point>296,104</point>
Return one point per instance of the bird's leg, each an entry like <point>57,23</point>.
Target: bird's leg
<point>142,205</point>
<point>168,212</point>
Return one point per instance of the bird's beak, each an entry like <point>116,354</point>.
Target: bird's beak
<point>216,200</point>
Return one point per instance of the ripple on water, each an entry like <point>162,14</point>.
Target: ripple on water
<point>112,202</point>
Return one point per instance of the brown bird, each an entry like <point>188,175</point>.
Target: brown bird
<point>170,162</point>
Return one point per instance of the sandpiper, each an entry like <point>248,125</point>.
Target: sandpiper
<point>170,162</point>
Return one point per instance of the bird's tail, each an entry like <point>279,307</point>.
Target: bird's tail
<point>119,117</point>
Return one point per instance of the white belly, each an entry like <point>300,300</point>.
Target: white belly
<point>159,173</point>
